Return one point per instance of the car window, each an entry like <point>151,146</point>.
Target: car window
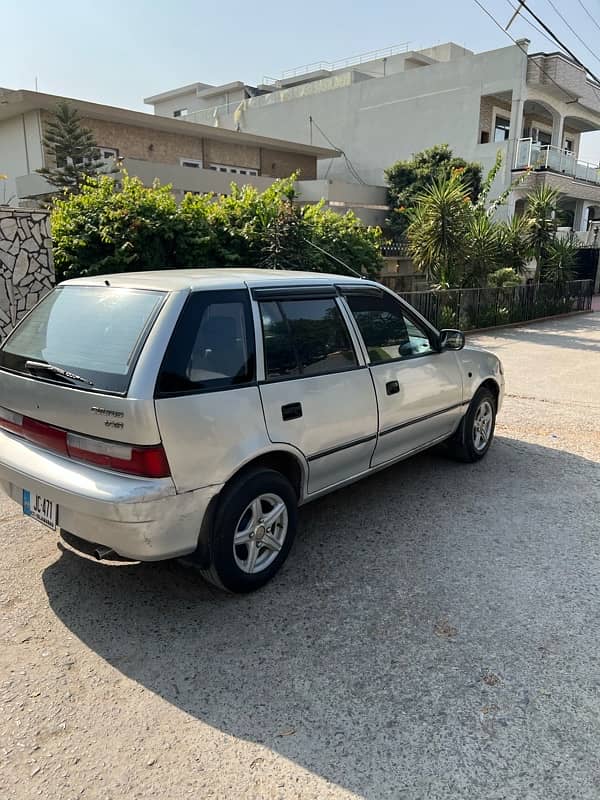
<point>387,331</point>
<point>305,337</point>
<point>96,332</point>
<point>212,346</point>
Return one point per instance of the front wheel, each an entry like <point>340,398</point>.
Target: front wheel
<point>476,431</point>
<point>253,531</point>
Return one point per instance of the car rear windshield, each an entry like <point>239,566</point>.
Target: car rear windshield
<point>95,333</point>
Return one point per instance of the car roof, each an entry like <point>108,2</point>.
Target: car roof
<point>194,278</point>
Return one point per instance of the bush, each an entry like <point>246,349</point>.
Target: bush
<point>121,228</point>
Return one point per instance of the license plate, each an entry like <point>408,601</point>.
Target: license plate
<point>40,508</point>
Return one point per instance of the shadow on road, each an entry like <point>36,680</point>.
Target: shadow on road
<point>572,333</point>
<point>366,660</point>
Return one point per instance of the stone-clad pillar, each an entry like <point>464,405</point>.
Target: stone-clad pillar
<point>26,268</point>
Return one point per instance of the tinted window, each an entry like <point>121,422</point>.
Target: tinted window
<point>387,332</point>
<point>93,331</point>
<point>305,337</point>
<point>212,346</point>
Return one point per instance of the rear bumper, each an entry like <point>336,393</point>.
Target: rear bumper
<point>139,518</point>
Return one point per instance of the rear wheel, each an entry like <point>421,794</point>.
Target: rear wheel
<point>476,431</point>
<point>253,532</point>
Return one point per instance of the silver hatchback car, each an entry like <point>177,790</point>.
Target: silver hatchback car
<point>189,412</point>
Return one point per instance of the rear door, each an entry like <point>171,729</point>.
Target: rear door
<point>419,389</point>
<point>317,394</point>
<point>95,334</point>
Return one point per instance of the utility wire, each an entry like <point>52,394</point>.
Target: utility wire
<point>531,24</point>
<point>572,98</point>
<point>349,164</point>
<point>573,31</point>
<point>591,16</point>
<point>558,41</point>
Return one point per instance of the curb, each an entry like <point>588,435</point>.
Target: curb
<point>527,322</point>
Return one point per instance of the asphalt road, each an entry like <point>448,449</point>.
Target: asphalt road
<point>434,634</point>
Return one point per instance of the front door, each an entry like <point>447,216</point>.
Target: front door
<point>317,395</point>
<point>419,389</point>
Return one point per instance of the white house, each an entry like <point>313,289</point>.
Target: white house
<point>383,107</point>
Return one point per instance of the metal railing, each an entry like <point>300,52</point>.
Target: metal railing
<point>555,159</point>
<point>394,248</point>
<point>469,309</point>
<point>350,61</point>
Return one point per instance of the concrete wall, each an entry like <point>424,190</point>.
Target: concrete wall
<point>378,121</point>
<point>192,102</point>
<point>26,270</point>
<point>20,151</point>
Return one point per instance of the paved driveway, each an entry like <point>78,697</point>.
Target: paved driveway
<point>435,633</point>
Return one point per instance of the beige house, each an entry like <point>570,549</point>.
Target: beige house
<point>198,158</point>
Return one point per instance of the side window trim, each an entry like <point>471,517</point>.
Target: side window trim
<point>229,296</point>
<point>279,297</point>
<point>405,310</point>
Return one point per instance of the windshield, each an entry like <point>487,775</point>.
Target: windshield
<point>95,332</point>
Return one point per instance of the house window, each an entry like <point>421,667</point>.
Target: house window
<point>501,129</point>
<point>194,163</point>
<point>233,170</point>
<point>180,112</point>
<point>106,153</point>
<point>569,145</point>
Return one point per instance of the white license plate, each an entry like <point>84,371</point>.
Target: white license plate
<point>40,508</point>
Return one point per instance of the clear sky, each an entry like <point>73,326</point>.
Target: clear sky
<point>119,52</point>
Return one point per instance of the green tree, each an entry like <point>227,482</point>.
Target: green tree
<point>541,214</point>
<point>409,179</point>
<point>109,227</point>
<point>560,259</point>
<point>439,229</point>
<point>515,247</point>
<point>73,149</point>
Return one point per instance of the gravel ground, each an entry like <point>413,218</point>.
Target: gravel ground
<point>434,633</point>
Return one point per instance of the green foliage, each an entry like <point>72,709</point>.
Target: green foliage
<point>483,249</point>
<point>560,259</point>
<point>515,249</point>
<point>117,228</point>
<point>541,213</point>
<point>73,148</point>
<point>437,233</point>
<point>503,278</point>
<point>407,180</point>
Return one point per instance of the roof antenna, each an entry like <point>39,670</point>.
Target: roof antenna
<point>335,258</point>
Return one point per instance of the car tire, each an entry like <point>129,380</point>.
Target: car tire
<point>475,433</point>
<point>245,553</point>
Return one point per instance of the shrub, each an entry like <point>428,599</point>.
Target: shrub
<point>117,228</point>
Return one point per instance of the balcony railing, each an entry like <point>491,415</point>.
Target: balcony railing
<point>531,154</point>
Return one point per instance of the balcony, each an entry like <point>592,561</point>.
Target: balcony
<point>540,157</point>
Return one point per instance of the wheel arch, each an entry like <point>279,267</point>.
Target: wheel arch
<point>286,462</point>
<point>492,385</point>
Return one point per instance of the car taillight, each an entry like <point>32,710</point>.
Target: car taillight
<point>151,462</point>
<point>11,421</point>
<point>147,462</point>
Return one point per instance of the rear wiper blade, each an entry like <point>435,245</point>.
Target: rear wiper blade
<point>42,365</point>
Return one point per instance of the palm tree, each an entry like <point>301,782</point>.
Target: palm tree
<point>541,214</point>
<point>484,249</point>
<point>438,230</point>
<point>515,246</point>
<point>561,259</point>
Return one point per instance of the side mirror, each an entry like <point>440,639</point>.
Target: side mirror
<point>452,340</point>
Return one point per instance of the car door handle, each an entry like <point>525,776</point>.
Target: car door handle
<point>392,387</point>
<point>291,411</point>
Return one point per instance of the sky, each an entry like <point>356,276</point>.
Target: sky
<point>120,52</point>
